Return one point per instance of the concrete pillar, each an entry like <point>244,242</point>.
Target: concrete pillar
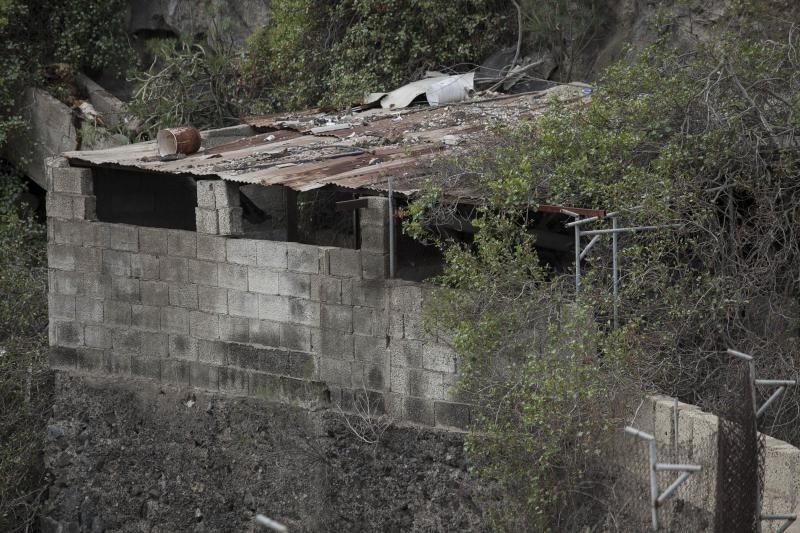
<point>70,191</point>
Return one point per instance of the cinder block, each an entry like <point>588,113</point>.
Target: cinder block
<point>88,260</point>
<point>101,234</point>
<point>368,376</point>
<point>61,306</point>
<point>303,258</point>
<point>335,372</point>
<point>270,307</point>
<point>183,295</point>
<point>296,337</point>
<point>76,232</point>
<point>125,289</point>
<point>126,341</point>
<point>265,386</point>
<point>145,266</point>
<point>90,360</point>
<point>226,194</point>
<point>781,472</point>
<point>174,269</point>
<point>211,248</point>
<point>117,364</point>
<point>376,213</point>
<point>183,347</point>
<point>206,197</point>
<point>264,281</point>
<point>406,298</point>
<point>438,357</point>
<point>452,415</point>
<point>61,257</point>
<point>204,376</point>
<point>418,383</point>
<point>302,365</point>
<point>375,238</point>
<point>419,411</point>
<point>124,238</point>
<point>117,313</point>
<point>234,329</point>
<point>369,294</point>
<point>71,180</point>
<point>89,309</point>
<point>241,251</point>
<point>243,304</point>
<point>155,345</point>
<point>304,312</point>
<point>145,367</point>
<point>84,207</point>
<point>175,320</point>
<point>272,254</point>
<point>232,276</point>
<point>337,317</point>
<point>146,317</point>
<point>345,263</point>
<point>374,266</point>
<point>153,241</point>
<point>405,353</point>
<point>664,421</point>
<point>63,357</point>
<point>330,289</point>
<point>394,325</point>
<point>155,293</point>
<point>213,352</point>
<point>347,292</point>
<point>212,299</point>
<point>60,205</point>
<point>370,349</point>
<point>182,243</point>
<point>177,372</point>
<point>297,285</point>
<point>116,263</point>
<point>204,325</point>
<point>77,283</point>
<point>368,322</point>
<point>203,272</point>
<point>233,380</point>
<point>265,333</point>
<point>261,359</point>
<point>334,345</point>
<point>229,221</point>
<point>97,336</point>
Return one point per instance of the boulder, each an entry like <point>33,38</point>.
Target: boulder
<point>236,19</point>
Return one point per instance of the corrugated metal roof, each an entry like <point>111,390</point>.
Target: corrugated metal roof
<point>358,151</point>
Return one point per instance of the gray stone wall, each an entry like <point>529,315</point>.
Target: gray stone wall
<point>282,321</point>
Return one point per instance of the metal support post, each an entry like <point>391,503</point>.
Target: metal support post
<point>787,518</point>
<point>268,523</point>
<point>392,244</point>
<point>615,270</point>
<point>657,499</point>
<point>577,260</point>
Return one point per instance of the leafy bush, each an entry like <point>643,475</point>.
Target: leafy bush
<point>706,140</point>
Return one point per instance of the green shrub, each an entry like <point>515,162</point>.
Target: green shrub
<point>706,140</point>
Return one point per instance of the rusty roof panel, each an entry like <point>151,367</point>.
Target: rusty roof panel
<point>306,151</point>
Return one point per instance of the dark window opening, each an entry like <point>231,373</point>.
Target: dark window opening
<point>141,199</point>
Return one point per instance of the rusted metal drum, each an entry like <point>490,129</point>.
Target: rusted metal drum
<point>172,141</point>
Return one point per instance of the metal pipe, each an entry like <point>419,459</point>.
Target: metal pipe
<point>675,484</point>
<point>769,401</point>
<point>678,467</point>
<point>626,230</point>
<point>751,365</point>
<point>637,433</point>
<point>653,486</point>
<point>570,213</point>
<point>740,355</point>
<point>577,261</point>
<point>391,231</point>
<point>271,524</point>
<point>787,382</point>
<point>675,422</point>
<point>789,518</point>
<point>615,270</point>
<point>607,215</point>
<point>589,246</point>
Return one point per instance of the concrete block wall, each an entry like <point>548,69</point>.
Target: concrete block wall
<point>697,439</point>
<point>283,321</point>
